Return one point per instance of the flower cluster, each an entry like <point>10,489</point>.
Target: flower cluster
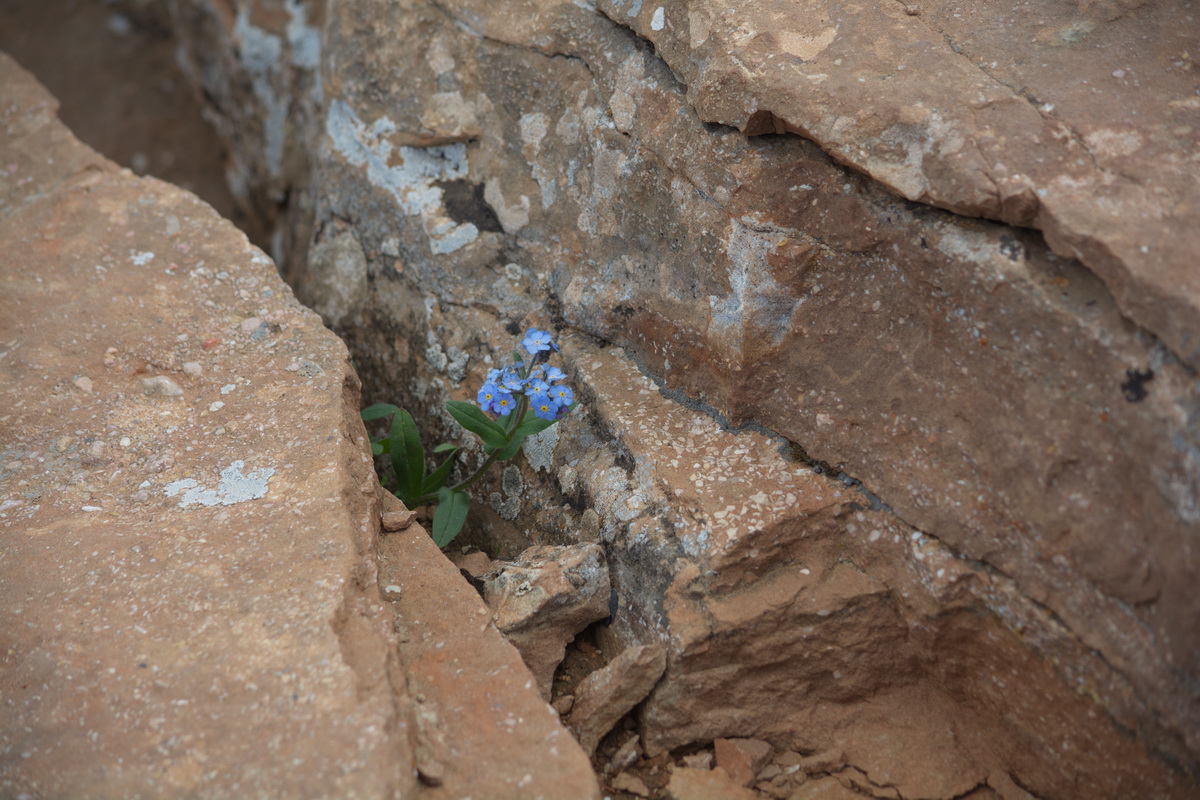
<point>540,383</point>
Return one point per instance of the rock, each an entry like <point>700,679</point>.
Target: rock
<point>701,760</point>
<point>476,562</point>
<point>827,788</point>
<point>742,759</point>
<point>626,755</point>
<point>624,782</point>
<point>393,515</point>
<point>611,692</point>
<point>544,598</point>
<point>161,385</point>
<point>705,784</point>
<point>157,647</point>
<point>1023,404</point>
<point>482,727</point>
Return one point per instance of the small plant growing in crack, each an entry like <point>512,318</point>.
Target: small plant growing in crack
<point>517,400</point>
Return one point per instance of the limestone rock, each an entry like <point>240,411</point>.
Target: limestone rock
<point>544,598</point>
<point>611,692</point>
<point>195,612</point>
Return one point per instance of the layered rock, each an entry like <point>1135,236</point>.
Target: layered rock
<point>1021,408</point>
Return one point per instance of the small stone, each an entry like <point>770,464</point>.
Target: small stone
<point>193,369</point>
<point>705,784</point>
<point>701,760</point>
<point>431,772</point>
<point>396,520</point>
<point>209,344</point>
<point>391,592</point>
<point>84,383</point>
<point>217,406</point>
<point>630,783</point>
<point>562,704</point>
<point>476,563</point>
<point>626,754</point>
<point>161,385</point>
<point>250,324</point>
<point>126,441</point>
<point>742,758</point>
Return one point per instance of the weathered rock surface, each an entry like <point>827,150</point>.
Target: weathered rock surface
<point>1018,588</point>
<point>544,598</point>
<point>188,519</point>
<point>187,585</point>
<point>483,729</point>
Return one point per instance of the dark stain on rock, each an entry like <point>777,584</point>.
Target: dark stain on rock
<point>1134,387</point>
<point>464,203</point>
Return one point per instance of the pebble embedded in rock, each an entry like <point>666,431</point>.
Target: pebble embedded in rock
<point>161,385</point>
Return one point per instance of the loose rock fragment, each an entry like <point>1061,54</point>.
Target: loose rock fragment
<point>742,758</point>
<point>544,598</point>
<point>705,784</point>
<point>610,693</point>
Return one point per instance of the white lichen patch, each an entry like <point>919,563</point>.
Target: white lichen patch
<point>412,182</point>
<point>234,487</point>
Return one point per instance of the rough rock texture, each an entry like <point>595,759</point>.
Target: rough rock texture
<point>705,784</point>
<point>187,587</point>
<point>544,598</point>
<point>612,691</point>
<point>1010,604</point>
<point>188,522</point>
<point>483,729</point>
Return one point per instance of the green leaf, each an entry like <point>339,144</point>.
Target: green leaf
<point>534,425</point>
<point>376,449</point>
<point>511,448</point>
<point>378,411</point>
<point>408,457</point>
<point>450,516</point>
<point>437,479</point>
<point>446,447</point>
<point>472,418</point>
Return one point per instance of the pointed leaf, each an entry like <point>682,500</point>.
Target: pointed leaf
<point>445,447</point>
<point>408,458</point>
<point>437,479</point>
<point>376,449</point>
<point>378,411</point>
<point>534,425</point>
<point>472,418</point>
<point>450,516</point>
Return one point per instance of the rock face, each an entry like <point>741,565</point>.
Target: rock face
<point>965,288</point>
<point>187,585</point>
<point>189,522</point>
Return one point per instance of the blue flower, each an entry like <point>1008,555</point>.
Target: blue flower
<point>545,408</point>
<point>562,395</point>
<point>536,341</point>
<point>553,374</point>
<point>504,405</point>
<point>537,389</point>
<point>488,394</point>
<point>511,380</point>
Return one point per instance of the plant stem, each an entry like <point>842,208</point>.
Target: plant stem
<point>477,474</point>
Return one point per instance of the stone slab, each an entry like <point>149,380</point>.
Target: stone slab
<point>187,595</point>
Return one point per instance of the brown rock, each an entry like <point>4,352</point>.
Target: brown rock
<point>545,597</point>
<point>991,390</point>
<point>611,692</point>
<point>483,729</point>
<point>827,788</point>
<point>476,562</point>
<point>394,516</point>
<point>624,782</point>
<point>626,755</point>
<point>221,634</point>
<point>742,759</point>
<point>705,784</point>
<point>701,760</point>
